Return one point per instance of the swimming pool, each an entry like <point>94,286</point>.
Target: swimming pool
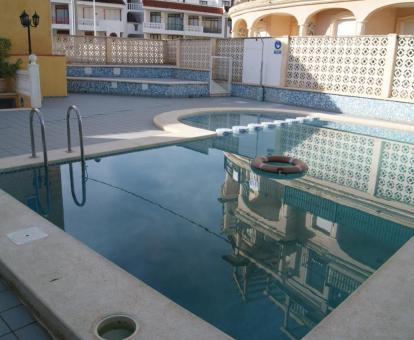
<point>258,258</point>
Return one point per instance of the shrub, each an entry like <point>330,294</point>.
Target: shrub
<point>7,70</point>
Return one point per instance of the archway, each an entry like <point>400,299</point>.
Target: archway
<point>113,35</point>
<point>334,21</point>
<point>275,25</point>
<point>240,29</point>
<point>397,18</point>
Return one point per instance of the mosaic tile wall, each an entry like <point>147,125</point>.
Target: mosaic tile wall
<point>138,89</point>
<point>396,172</point>
<point>334,156</point>
<point>138,72</point>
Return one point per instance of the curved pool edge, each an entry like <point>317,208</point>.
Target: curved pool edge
<point>170,121</point>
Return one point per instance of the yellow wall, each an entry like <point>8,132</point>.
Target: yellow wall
<point>11,28</point>
<point>52,68</point>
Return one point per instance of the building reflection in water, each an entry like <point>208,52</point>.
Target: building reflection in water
<point>302,249</point>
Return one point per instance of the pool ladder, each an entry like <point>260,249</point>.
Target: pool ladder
<point>71,109</point>
<point>74,109</point>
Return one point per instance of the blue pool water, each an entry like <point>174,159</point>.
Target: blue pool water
<point>256,257</point>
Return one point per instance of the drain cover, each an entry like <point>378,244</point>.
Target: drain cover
<point>27,235</point>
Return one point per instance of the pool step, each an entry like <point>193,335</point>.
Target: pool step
<point>159,87</point>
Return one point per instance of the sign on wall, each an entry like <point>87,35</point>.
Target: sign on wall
<point>274,52</point>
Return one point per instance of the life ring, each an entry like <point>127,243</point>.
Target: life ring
<point>296,166</point>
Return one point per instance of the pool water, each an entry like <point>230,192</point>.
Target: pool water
<point>256,257</point>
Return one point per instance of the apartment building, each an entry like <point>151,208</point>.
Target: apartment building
<point>154,19</point>
<point>185,19</point>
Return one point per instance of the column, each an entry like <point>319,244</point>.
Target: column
<point>360,28</point>
<point>302,30</point>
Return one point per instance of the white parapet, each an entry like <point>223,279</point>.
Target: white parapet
<point>28,83</point>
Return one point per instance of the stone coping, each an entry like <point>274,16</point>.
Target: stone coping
<point>163,81</point>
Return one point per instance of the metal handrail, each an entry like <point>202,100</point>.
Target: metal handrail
<point>71,109</point>
<point>32,140</point>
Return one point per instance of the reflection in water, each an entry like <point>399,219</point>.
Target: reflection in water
<point>303,252</point>
<point>287,251</point>
<point>42,193</point>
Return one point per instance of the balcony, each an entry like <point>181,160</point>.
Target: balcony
<point>175,27</point>
<point>212,30</point>
<point>154,27</point>
<point>135,6</point>
<point>86,23</point>
<point>193,29</point>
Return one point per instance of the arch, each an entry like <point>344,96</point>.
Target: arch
<point>240,29</point>
<point>274,25</point>
<point>331,21</point>
<point>392,18</point>
<point>113,34</point>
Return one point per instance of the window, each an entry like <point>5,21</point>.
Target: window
<point>66,32</point>
<point>155,17</point>
<point>203,2</point>
<point>87,13</point>
<point>112,14</point>
<point>172,37</point>
<point>211,25</point>
<point>226,3</point>
<point>61,14</point>
<point>193,20</point>
<point>175,22</point>
<point>155,36</point>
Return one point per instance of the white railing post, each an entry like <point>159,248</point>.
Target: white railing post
<point>34,75</point>
<point>390,65</point>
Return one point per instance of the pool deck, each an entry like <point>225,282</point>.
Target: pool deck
<point>69,277</point>
<point>105,119</point>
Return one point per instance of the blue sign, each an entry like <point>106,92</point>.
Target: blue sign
<point>278,46</point>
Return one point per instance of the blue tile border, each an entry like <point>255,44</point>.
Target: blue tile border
<point>362,107</point>
<point>137,89</point>
<point>138,72</point>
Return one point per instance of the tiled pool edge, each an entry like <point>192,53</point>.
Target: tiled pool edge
<point>390,110</point>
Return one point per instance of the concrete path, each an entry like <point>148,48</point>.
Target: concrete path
<point>106,118</point>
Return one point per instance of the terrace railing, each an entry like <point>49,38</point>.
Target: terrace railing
<point>369,66</point>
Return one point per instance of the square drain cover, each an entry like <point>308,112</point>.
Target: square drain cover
<point>27,235</point>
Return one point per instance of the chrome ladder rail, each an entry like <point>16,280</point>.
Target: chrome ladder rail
<point>71,109</point>
<point>39,115</point>
<point>32,139</point>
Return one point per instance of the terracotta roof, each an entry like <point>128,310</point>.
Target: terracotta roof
<point>183,6</point>
<point>118,2</point>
